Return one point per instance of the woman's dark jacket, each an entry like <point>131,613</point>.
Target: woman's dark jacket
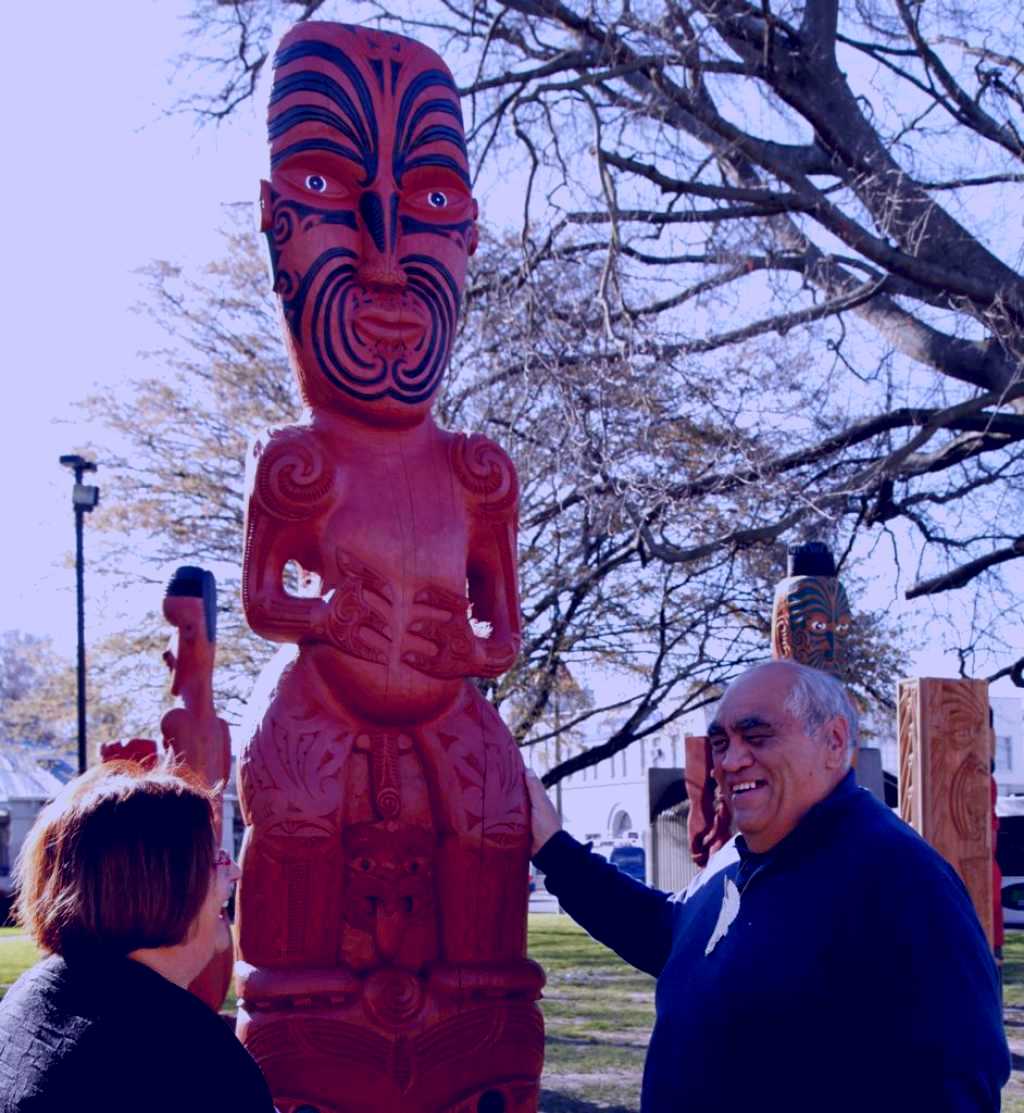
<point>110,1034</point>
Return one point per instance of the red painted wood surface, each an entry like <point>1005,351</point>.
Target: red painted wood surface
<point>193,730</point>
<point>382,908</point>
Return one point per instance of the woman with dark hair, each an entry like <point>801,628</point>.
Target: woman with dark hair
<point>121,882</point>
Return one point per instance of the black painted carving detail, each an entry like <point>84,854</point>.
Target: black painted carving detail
<point>411,113</point>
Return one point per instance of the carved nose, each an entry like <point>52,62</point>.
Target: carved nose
<point>390,928</point>
<point>379,266</point>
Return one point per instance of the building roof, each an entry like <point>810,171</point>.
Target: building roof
<point>22,778</point>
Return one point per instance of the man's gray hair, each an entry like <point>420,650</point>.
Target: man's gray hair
<point>815,697</point>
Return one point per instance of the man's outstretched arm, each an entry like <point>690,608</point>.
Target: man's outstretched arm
<point>632,919</point>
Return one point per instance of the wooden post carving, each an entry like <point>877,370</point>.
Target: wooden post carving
<point>944,779</point>
<point>811,614</point>
<point>192,731</point>
<point>709,824</point>
<point>382,906</point>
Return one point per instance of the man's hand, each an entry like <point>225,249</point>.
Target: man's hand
<point>544,821</point>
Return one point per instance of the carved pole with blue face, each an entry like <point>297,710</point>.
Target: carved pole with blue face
<point>811,615</point>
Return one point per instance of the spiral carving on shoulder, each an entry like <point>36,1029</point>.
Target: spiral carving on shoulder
<point>486,471</point>
<point>294,479</point>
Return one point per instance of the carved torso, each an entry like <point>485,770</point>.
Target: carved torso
<point>387,528</point>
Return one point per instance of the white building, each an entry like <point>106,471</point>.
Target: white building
<point>609,801</point>
<point>25,786</point>
<point>1008,727</point>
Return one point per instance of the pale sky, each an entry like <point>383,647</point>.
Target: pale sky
<point>99,181</point>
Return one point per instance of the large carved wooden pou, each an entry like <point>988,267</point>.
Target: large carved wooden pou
<point>382,907</point>
<point>944,780</point>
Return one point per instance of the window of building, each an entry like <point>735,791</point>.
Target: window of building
<point>622,823</point>
<point>1004,753</point>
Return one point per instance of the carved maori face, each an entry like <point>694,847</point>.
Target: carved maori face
<point>189,653</point>
<point>390,881</point>
<point>369,217</point>
<point>810,622</point>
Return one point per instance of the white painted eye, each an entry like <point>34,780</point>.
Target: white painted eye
<point>437,200</point>
<point>316,182</point>
<point>818,626</point>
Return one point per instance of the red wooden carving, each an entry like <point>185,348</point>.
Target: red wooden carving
<point>193,731</point>
<point>810,624</point>
<point>143,751</point>
<point>709,823</point>
<point>382,907</point>
<point>811,615</point>
<point>195,734</point>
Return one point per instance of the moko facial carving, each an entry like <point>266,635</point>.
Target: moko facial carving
<point>369,215</point>
<point>811,617</point>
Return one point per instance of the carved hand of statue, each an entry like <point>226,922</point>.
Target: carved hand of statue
<point>344,618</point>
<point>459,652</point>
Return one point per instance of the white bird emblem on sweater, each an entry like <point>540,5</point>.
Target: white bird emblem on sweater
<point>726,914</point>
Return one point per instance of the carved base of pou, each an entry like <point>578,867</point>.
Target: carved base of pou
<point>451,1040</point>
<point>382,911</point>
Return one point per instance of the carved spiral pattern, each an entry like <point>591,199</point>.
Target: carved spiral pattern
<point>486,471</point>
<point>294,479</point>
<point>393,996</point>
<point>969,799</point>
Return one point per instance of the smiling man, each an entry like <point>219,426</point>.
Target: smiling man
<point>838,964</point>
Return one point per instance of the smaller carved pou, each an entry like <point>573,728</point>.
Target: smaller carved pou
<point>811,615</point>
<point>945,783</point>
<point>193,731</point>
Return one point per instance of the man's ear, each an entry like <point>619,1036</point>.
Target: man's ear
<point>474,233</point>
<point>837,742</point>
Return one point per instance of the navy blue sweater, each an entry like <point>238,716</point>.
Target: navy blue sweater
<point>855,977</point>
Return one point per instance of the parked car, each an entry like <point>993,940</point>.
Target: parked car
<point>632,860</point>
<point>1010,856</point>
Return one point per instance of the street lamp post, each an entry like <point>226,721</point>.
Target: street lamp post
<point>83,498</point>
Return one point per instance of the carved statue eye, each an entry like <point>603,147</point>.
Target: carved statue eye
<point>316,182</point>
<point>437,200</point>
<point>843,628</point>
<point>818,626</point>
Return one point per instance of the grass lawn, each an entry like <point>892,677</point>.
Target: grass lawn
<point>16,954</point>
<point>598,1014</point>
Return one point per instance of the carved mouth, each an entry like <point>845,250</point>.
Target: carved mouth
<point>388,328</point>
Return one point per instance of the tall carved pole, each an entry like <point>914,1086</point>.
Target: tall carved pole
<point>382,907</point>
<point>193,731</point>
<point>945,780</point>
<point>810,624</point>
<point>199,739</point>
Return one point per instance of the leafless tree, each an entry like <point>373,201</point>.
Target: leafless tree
<point>664,636</point>
<point>796,221</point>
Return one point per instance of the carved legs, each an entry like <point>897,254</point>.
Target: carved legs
<point>382,915</point>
